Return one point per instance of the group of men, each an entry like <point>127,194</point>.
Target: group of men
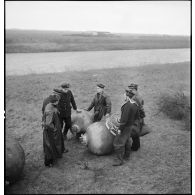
<point>56,120</point>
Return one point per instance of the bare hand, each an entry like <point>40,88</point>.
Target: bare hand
<point>78,111</point>
<point>107,115</point>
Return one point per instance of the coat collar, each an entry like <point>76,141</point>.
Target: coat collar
<point>131,101</point>
<point>100,95</point>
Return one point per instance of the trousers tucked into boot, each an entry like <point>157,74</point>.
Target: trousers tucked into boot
<point>119,157</point>
<point>127,150</point>
<point>122,146</point>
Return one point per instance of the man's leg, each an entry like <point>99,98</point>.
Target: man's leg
<point>63,146</point>
<point>63,137</point>
<point>127,149</point>
<point>136,143</point>
<point>141,124</point>
<point>62,122</point>
<point>135,131</point>
<point>119,147</point>
<point>67,125</point>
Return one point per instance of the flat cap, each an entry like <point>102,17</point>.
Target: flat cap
<point>101,85</point>
<point>65,85</point>
<point>133,86</point>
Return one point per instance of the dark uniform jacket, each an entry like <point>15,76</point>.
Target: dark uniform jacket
<point>101,104</point>
<point>129,113</point>
<point>65,102</point>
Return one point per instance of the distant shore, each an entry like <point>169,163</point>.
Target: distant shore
<point>32,41</point>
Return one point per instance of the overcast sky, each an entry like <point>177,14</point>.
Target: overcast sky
<point>148,17</point>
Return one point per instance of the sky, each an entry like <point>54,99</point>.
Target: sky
<point>143,17</point>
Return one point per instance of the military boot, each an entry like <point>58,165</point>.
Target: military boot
<point>126,155</point>
<point>119,160</point>
<point>136,143</point>
<point>127,150</point>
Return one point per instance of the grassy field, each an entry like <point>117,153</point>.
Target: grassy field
<point>163,163</point>
<point>25,41</point>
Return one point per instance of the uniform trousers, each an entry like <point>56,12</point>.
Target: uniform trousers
<point>122,143</point>
<point>67,121</point>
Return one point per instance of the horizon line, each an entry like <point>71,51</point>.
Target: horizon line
<point>163,34</point>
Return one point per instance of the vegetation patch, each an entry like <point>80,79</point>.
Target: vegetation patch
<point>176,106</point>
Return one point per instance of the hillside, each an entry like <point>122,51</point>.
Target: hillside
<point>25,41</point>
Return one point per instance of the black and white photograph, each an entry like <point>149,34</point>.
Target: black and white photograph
<point>97,97</point>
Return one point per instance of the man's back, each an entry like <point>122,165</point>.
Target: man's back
<point>64,105</point>
<point>129,113</point>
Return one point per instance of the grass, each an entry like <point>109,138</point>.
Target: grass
<point>162,165</point>
<point>29,41</point>
<point>176,106</point>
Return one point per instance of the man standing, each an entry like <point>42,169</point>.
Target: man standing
<point>140,121</point>
<point>53,143</point>
<point>64,106</point>
<point>129,113</point>
<point>101,103</point>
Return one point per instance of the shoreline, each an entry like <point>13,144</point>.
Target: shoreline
<point>134,49</point>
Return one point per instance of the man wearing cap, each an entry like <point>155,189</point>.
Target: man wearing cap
<point>47,99</point>
<point>121,143</point>
<point>64,106</point>
<point>139,122</point>
<point>101,104</point>
<point>136,97</point>
<point>53,143</point>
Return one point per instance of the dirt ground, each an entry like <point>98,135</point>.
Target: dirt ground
<point>161,165</point>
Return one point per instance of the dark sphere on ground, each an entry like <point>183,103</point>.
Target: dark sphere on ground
<point>15,159</point>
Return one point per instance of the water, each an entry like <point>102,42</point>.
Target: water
<point>38,63</point>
